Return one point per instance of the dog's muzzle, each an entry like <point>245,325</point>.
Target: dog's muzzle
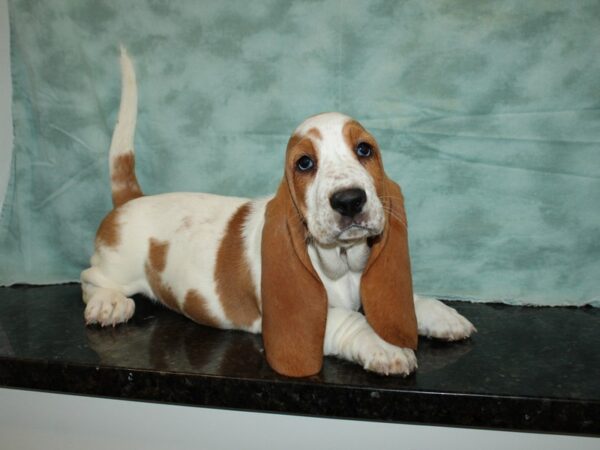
<point>348,202</point>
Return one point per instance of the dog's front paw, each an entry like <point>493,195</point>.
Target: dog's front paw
<point>107,307</point>
<point>386,359</point>
<point>439,321</point>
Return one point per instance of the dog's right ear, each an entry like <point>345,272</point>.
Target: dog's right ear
<point>294,301</point>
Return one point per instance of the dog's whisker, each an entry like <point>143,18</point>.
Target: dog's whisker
<point>392,197</point>
<point>395,215</point>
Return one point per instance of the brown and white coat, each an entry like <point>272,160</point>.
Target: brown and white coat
<point>296,266</point>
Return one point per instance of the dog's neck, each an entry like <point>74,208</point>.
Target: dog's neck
<point>335,261</point>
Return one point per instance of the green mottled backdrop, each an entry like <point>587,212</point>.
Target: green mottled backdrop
<point>487,113</point>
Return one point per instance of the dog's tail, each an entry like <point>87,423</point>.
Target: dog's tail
<point>124,184</point>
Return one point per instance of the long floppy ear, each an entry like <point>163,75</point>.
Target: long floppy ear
<point>386,284</point>
<point>294,301</point>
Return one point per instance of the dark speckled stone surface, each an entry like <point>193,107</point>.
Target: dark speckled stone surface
<point>531,369</point>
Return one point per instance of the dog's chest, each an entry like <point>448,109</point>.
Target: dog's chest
<point>340,270</point>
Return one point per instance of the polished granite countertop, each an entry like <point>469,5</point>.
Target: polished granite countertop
<point>529,369</point>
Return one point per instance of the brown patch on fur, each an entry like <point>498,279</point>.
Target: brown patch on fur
<point>354,133</point>
<point>298,181</point>
<point>125,186</point>
<point>157,260</point>
<point>232,274</point>
<point>293,298</point>
<point>195,308</point>
<point>108,231</point>
<point>294,139</point>
<point>158,254</point>
<point>314,133</point>
<point>162,291</point>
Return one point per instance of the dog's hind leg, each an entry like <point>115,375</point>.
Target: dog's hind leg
<point>106,304</point>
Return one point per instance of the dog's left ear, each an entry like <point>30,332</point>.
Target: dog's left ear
<point>386,284</point>
<point>294,301</point>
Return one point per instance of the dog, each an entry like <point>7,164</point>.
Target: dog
<point>300,267</point>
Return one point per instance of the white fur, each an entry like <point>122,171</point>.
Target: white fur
<point>437,320</point>
<point>194,225</point>
<point>252,242</point>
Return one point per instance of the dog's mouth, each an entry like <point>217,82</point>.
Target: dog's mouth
<point>354,232</point>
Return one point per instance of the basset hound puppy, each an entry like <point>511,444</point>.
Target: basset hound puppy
<point>297,266</point>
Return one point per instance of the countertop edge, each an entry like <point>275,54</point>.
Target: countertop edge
<point>302,397</point>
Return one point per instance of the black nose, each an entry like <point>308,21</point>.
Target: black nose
<point>348,202</point>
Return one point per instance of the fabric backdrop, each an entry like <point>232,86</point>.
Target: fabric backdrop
<point>487,113</point>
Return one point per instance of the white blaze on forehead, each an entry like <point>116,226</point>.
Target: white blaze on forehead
<point>330,144</point>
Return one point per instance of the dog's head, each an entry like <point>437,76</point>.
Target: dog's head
<point>335,176</point>
<point>334,193</point>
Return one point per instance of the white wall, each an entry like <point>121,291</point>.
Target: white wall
<point>6,134</point>
<point>31,420</point>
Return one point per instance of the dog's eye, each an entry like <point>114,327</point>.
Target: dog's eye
<point>305,163</point>
<point>364,150</point>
